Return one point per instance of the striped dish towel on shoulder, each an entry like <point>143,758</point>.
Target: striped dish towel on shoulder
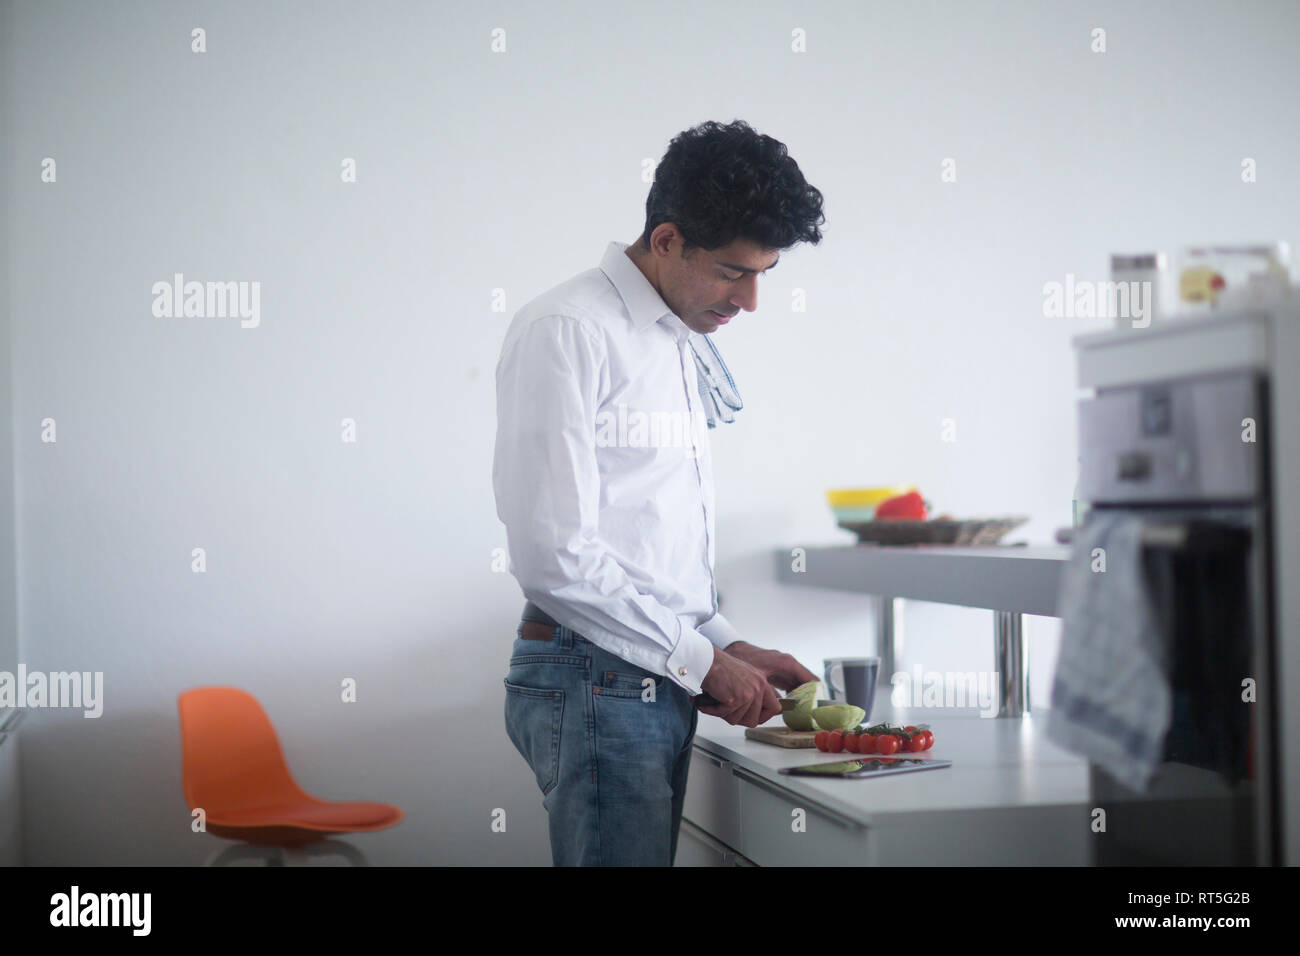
<point>717,390</point>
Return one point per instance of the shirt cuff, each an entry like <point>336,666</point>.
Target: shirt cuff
<point>690,660</point>
<point>720,631</point>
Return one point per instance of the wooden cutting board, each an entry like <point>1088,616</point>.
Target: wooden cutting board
<point>782,736</point>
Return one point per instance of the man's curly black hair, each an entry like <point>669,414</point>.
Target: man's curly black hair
<point>718,183</point>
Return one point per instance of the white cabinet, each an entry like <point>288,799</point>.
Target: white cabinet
<point>780,828</point>
<point>696,848</point>
<point>712,800</point>
<point>729,810</point>
<point>733,813</point>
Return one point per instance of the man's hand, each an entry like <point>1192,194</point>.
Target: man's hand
<point>778,668</point>
<point>740,692</point>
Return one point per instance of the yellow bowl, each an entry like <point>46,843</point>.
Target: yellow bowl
<point>865,497</point>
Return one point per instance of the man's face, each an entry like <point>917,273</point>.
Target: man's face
<point>706,287</point>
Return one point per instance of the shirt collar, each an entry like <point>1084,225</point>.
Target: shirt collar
<point>644,305</point>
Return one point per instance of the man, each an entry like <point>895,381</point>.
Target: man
<point>610,523</point>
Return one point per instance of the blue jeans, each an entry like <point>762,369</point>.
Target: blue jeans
<point>611,759</point>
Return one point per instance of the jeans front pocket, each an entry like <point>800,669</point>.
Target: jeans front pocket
<point>614,678</point>
<point>629,685</point>
<point>533,718</point>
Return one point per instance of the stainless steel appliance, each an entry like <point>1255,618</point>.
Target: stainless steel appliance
<point>1189,458</point>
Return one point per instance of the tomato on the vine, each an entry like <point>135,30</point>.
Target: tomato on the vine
<point>886,744</point>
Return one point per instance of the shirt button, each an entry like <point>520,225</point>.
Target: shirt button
<point>681,671</point>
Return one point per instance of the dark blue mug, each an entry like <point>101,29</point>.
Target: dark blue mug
<point>855,682</point>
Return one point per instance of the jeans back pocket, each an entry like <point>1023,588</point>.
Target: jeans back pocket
<point>533,719</point>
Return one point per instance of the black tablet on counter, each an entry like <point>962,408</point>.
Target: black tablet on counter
<point>866,767</point>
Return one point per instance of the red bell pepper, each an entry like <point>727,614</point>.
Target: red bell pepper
<point>909,506</point>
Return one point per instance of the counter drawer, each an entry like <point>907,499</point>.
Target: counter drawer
<point>767,826</point>
<point>712,799</point>
<point>697,848</point>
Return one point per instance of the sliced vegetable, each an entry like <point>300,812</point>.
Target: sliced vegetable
<point>800,718</point>
<point>803,691</point>
<point>838,716</point>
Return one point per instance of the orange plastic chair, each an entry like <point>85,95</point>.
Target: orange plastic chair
<point>233,768</point>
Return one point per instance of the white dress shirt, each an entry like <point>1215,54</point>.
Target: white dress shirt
<point>602,471</point>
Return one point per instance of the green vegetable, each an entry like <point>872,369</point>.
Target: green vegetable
<point>800,718</point>
<point>837,716</point>
<point>806,691</point>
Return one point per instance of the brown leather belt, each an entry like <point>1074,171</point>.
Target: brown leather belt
<point>537,631</point>
<point>534,627</point>
<point>537,624</point>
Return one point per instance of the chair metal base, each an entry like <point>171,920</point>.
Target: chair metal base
<point>287,855</point>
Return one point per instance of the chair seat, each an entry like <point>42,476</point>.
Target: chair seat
<point>324,815</point>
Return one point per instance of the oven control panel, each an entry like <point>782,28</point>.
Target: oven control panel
<point>1194,440</point>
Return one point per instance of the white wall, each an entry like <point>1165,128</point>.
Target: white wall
<point>477,171</point>
<point>10,784</point>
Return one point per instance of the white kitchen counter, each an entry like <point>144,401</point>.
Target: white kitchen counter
<point>1010,798</point>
